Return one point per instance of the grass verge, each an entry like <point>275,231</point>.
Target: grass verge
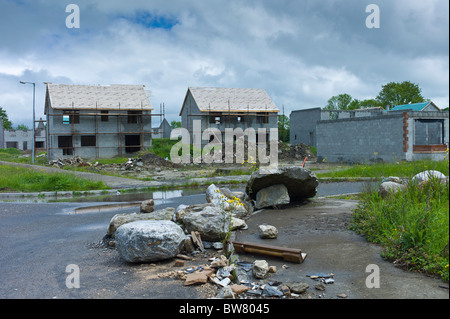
<point>380,170</point>
<point>412,226</point>
<point>13,178</point>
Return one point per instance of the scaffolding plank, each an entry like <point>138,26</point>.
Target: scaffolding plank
<point>288,254</point>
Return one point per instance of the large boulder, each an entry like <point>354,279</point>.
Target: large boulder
<point>271,196</point>
<point>121,219</point>
<point>301,183</point>
<point>149,240</point>
<point>211,222</point>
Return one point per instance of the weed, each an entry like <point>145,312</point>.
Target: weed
<point>411,225</point>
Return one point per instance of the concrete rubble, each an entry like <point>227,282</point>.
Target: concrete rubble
<point>191,230</point>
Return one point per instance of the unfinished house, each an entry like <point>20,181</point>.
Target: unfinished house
<point>162,131</point>
<point>232,108</point>
<point>23,139</point>
<point>94,121</point>
<point>374,135</point>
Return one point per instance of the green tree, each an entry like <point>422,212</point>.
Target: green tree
<point>395,93</point>
<point>22,127</point>
<point>342,102</point>
<point>175,124</point>
<point>7,124</point>
<point>369,103</point>
<point>283,128</point>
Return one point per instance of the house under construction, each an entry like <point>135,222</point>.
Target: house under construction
<point>222,108</point>
<point>94,121</point>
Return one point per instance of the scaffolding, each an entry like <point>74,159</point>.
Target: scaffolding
<point>231,118</point>
<point>129,124</point>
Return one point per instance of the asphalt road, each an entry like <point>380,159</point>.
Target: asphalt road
<point>39,240</point>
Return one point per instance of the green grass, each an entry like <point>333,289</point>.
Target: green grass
<point>380,170</point>
<point>15,155</point>
<point>21,179</point>
<point>160,147</point>
<point>412,226</point>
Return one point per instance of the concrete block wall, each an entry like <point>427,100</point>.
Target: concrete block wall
<point>303,126</point>
<point>364,139</point>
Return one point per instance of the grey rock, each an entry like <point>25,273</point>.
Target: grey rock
<point>209,222</point>
<point>267,231</point>
<point>147,206</point>
<point>260,269</point>
<point>237,223</point>
<point>389,187</point>
<point>301,183</point>
<point>270,291</point>
<point>121,219</point>
<point>297,287</point>
<point>149,240</point>
<point>226,292</point>
<point>426,175</point>
<point>274,195</point>
<point>215,196</point>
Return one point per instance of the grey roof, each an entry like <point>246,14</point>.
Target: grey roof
<point>111,97</point>
<point>232,99</point>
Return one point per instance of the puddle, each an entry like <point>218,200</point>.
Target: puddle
<point>165,197</point>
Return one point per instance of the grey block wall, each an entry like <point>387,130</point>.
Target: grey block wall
<point>303,126</point>
<point>356,140</point>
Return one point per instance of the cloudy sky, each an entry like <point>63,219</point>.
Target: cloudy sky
<point>301,52</point>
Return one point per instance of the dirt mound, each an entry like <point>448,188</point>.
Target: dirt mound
<point>155,160</point>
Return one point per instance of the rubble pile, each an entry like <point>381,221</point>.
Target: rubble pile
<point>294,152</point>
<point>74,161</point>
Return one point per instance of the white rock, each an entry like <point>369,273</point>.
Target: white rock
<point>426,175</point>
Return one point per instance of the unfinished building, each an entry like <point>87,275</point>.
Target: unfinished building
<point>410,132</point>
<point>94,121</point>
<point>232,108</point>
